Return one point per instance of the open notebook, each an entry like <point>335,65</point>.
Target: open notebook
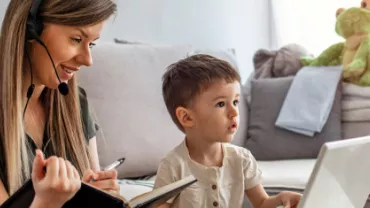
<point>91,197</point>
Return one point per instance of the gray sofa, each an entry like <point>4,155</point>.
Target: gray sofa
<point>124,90</point>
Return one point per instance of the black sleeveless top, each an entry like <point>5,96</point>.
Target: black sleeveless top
<point>89,128</point>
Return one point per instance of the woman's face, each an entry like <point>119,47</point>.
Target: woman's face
<point>70,48</point>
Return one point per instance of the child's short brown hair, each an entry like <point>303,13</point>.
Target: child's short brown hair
<point>187,78</point>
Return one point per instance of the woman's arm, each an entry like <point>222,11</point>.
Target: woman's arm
<point>3,194</point>
<point>93,152</point>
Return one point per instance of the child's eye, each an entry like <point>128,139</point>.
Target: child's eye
<point>236,102</point>
<point>220,104</point>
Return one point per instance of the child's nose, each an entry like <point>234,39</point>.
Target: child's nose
<point>234,112</point>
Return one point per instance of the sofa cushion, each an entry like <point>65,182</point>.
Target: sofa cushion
<point>355,129</point>
<point>269,142</point>
<point>124,88</point>
<point>278,63</point>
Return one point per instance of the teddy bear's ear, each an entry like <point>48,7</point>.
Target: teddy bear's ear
<point>339,11</point>
<point>263,61</point>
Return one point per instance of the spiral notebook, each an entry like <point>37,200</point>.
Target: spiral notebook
<point>91,197</point>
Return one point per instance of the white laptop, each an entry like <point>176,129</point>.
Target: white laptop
<point>341,176</point>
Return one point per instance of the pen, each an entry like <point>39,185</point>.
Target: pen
<point>115,164</point>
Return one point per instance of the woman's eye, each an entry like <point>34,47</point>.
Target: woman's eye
<point>220,104</point>
<point>77,40</point>
<point>91,45</point>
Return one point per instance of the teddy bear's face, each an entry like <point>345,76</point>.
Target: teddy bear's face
<point>353,21</point>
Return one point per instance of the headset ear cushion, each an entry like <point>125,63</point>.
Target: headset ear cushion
<point>34,29</point>
<point>34,25</point>
<point>39,27</point>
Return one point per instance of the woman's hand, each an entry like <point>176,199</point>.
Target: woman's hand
<point>57,185</point>
<point>105,180</point>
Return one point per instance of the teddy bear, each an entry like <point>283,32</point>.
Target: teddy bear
<point>353,25</point>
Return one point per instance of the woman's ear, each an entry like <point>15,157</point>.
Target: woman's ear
<point>184,117</point>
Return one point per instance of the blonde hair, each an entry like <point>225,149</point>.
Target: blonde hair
<point>64,121</point>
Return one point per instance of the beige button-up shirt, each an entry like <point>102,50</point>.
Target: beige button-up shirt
<point>216,186</point>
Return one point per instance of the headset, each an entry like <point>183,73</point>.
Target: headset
<point>34,27</point>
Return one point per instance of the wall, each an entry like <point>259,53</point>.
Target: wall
<point>3,8</point>
<point>239,24</point>
<point>295,22</point>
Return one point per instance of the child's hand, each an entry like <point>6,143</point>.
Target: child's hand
<point>289,199</point>
<point>58,185</point>
<point>105,180</point>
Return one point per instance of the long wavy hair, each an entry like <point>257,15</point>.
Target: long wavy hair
<point>64,123</point>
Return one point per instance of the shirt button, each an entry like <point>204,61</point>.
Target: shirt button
<point>215,204</point>
<point>214,187</point>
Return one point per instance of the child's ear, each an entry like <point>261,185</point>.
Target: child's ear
<point>184,117</point>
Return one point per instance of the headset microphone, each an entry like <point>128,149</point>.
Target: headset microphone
<point>34,28</point>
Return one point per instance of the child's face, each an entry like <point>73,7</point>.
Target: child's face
<point>215,113</point>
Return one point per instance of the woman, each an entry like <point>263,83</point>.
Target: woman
<point>49,130</point>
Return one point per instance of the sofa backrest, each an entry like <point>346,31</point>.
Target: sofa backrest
<point>124,89</point>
